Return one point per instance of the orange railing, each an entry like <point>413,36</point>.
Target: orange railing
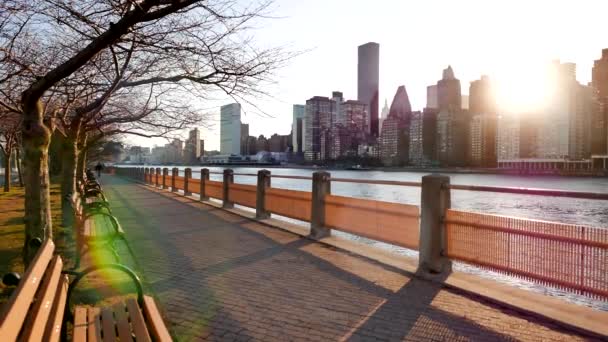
<point>289,203</point>
<point>568,257</point>
<point>393,223</point>
<point>243,194</point>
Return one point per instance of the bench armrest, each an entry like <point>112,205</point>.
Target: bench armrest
<point>85,272</point>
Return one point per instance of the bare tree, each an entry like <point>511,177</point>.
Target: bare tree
<point>191,44</point>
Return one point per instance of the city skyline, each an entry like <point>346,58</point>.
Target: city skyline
<point>505,50</point>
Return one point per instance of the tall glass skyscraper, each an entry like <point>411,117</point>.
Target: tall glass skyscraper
<point>230,129</point>
<point>368,80</point>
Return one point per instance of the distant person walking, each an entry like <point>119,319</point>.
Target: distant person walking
<point>98,168</point>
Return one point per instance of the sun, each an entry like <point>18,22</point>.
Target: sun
<point>523,88</point>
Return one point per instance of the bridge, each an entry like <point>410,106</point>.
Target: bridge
<point>224,273</point>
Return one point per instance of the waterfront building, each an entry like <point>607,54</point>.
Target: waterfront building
<point>508,137</point>
<point>599,120</point>
<point>483,124</point>
<point>261,144</point>
<point>279,143</point>
<point>230,129</point>
<point>244,137</point>
<point>299,113</point>
<point>395,135</point>
<point>453,127</point>
<point>320,112</point>
<point>580,124</point>
<point>193,149</point>
<point>139,155</point>
<point>334,127</point>
<point>368,81</point>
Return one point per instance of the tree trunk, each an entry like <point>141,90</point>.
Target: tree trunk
<point>69,155</point>
<point>36,138</point>
<point>82,157</point>
<point>18,160</point>
<point>7,169</point>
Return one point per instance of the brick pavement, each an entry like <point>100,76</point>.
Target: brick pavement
<point>221,277</point>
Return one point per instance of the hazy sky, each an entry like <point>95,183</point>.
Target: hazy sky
<point>508,40</point>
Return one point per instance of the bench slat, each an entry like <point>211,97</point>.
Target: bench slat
<point>122,323</point>
<point>35,325</point>
<point>155,321</point>
<point>21,299</point>
<point>93,325</point>
<point>80,324</point>
<point>108,326</point>
<point>137,321</point>
<point>53,328</point>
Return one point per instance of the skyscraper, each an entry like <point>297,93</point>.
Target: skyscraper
<point>484,123</point>
<point>599,121</point>
<point>320,112</point>
<point>230,129</point>
<point>432,98</point>
<point>383,114</point>
<point>299,112</point>
<point>192,150</point>
<point>395,136</point>
<point>452,122</point>
<point>368,80</point>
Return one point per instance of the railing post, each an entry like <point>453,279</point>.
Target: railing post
<point>158,175</point>
<point>146,173</point>
<point>228,179</point>
<point>434,202</point>
<point>165,174</point>
<point>174,172</point>
<point>321,186</point>
<point>204,178</point>
<point>260,198</point>
<point>187,176</point>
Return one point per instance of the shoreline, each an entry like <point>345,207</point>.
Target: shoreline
<point>507,172</point>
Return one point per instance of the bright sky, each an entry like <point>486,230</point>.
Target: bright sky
<point>512,41</point>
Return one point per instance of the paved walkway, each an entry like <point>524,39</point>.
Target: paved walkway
<point>222,277</point>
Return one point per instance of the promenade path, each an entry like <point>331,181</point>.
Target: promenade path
<point>222,277</point>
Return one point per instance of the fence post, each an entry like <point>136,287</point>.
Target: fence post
<point>165,174</point>
<point>187,176</point>
<point>158,175</point>
<point>260,198</point>
<point>321,186</point>
<point>204,178</point>
<point>434,202</point>
<point>146,174</point>
<point>174,172</point>
<point>228,179</point>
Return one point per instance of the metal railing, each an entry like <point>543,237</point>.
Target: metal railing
<point>568,257</point>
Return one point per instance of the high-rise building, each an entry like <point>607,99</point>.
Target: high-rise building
<point>192,149</point>
<point>299,112</point>
<point>383,114</point>
<point>449,97</point>
<point>508,137</point>
<point>262,144</point>
<point>452,123</point>
<point>483,124</point>
<point>580,125</point>
<point>599,121</point>
<point>395,136</point>
<point>244,137</point>
<point>230,129</point>
<point>320,112</point>
<point>432,97</point>
<point>368,81</point>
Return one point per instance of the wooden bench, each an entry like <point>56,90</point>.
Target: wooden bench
<point>95,227</point>
<point>39,308</point>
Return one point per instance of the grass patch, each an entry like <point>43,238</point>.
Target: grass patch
<point>12,230</point>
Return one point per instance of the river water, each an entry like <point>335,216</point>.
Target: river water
<point>593,213</point>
